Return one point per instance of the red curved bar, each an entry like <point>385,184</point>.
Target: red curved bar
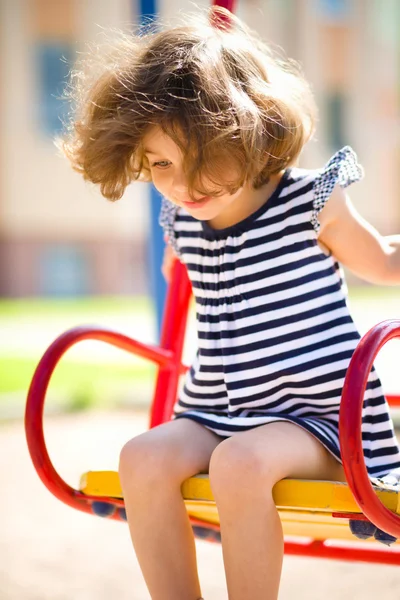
<point>350,426</point>
<point>393,400</point>
<point>228,4</point>
<point>334,549</point>
<point>36,397</point>
<point>221,20</point>
<point>172,339</point>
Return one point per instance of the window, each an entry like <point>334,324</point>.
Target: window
<point>63,271</point>
<point>54,61</point>
<point>336,12</point>
<point>336,106</point>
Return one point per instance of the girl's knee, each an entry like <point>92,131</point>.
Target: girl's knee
<point>131,456</point>
<point>141,462</point>
<point>154,458</point>
<point>237,468</point>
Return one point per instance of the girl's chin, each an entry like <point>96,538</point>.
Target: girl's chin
<point>201,210</point>
<point>203,215</point>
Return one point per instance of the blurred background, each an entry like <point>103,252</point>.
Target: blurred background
<point>60,237</point>
<point>68,256</point>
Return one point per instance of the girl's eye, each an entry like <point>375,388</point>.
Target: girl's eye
<point>162,164</point>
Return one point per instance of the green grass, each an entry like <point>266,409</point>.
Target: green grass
<point>92,383</point>
<point>85,307</point>
<point>75,384</point>
<point>371,293</point>
<point>16,374</point>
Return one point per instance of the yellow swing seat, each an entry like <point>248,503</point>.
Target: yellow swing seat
<point>306,507</point>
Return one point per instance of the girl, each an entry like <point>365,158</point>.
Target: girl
<point>217,123</point>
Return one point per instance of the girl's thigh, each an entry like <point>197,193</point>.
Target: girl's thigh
<point>181,448</point>
<point>276,451</point>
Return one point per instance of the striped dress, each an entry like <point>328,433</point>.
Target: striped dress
<point>275,335</point>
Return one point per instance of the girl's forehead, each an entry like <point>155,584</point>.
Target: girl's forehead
<point>156,140</point>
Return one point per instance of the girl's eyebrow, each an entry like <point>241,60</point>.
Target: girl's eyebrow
<point>148,151</point>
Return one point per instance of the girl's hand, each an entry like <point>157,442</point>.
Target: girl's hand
<point>168,262</point>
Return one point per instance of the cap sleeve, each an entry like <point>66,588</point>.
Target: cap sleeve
<point>167,221</point>
<point>343,168</point>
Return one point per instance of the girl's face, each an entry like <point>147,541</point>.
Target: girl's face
<point>165,161</point>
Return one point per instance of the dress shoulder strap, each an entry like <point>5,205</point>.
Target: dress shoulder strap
<point>343,168</point>
<point>167,221</point>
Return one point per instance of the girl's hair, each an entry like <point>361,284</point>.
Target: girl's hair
<point>218,92</point>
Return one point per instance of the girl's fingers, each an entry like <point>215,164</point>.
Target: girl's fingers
<point>168,262</point>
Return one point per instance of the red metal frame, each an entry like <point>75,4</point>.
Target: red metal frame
<point>228,4</point>
<point>221,20</point>
<point>348,551</point>
<point>168,357</point>
<point>350,426</point>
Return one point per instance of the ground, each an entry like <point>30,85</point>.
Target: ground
<point>51,552</point>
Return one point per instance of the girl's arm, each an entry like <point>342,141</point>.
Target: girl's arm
<point>356,244</point>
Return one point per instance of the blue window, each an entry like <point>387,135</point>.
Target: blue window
<point>336,121</point>
<point>335,11</point>
<point>54,61</point>
<point>63,271</point>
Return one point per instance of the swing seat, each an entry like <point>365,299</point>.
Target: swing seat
<point>317,509</point>
<point>315,514</point>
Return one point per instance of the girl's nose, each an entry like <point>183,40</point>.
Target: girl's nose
<point>179,183</point>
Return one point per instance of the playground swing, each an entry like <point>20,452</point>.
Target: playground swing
<point>315,514</point>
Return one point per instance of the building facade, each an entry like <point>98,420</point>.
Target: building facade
<point>59,236</point>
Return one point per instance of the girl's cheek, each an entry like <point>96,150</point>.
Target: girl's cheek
<point>158,182</point>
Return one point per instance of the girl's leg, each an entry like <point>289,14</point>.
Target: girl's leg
<point>243,471</point>
<point>152,469</point>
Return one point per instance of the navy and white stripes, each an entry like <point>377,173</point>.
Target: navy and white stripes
<point>275,335</point>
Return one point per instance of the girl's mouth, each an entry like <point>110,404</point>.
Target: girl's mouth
<point>196,204</point>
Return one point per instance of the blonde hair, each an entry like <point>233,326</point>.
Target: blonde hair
<point>220,93</point>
